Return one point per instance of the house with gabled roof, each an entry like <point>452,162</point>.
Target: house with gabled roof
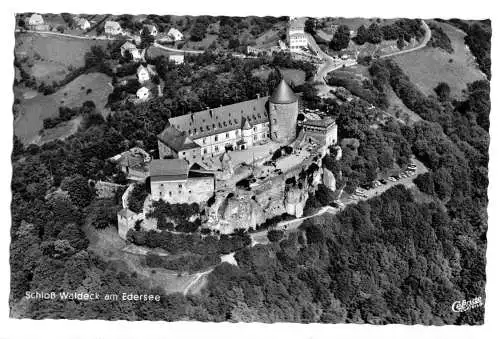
<point>173,181</point>
<point>175,34</point>
<point>112,28</point>
<point>151,29</point>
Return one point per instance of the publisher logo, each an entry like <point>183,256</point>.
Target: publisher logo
<point>466,305</point>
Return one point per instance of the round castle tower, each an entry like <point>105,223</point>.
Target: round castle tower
<point>283,112</point>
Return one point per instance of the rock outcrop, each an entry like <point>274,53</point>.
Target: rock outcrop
<point>329,179</point>
<point>295,200</point>
<point>242,212</point>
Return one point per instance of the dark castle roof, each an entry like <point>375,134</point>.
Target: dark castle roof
<point>283,94</point>
<point>221,119</point>
<point>176,139</point>
<point>168,169</point>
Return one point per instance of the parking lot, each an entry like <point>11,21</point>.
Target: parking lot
<point>364,194</point>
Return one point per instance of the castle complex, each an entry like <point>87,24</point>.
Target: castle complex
<point>211,132</point>
<point>196,151</point>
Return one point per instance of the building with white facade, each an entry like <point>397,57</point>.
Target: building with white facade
<point>297,42</point>
<point>175,34</point>
<point>112,28</point>
<point>81,23</point>
<point>143,93</point>
<point>144,73</point>
<point>176,58</point>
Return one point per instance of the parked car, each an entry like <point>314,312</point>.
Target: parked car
<point>392,179</point>
<point>383,181</point>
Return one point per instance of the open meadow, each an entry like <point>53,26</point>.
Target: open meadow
<point>93,86</point>
<point>430,66</point>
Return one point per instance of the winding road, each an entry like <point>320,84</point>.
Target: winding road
<point>330,64</point>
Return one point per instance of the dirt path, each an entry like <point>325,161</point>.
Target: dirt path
<point>197,278</point>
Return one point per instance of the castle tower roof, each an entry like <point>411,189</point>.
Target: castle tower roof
<point>283,94</point>
<point>246,124</point>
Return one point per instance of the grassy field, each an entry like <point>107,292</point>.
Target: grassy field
<point>429,66</point>
<point>35,109</point>
<point>50,57</point>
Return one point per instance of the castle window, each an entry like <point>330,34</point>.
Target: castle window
<point>216,148</point>
<point>180,186</point>
<point>205,151</point>
<point>255,137</point>
<point>216,138</point>
<point>254,108</point>
<point>208,128</point>
<point>213,126</point>
<point>204,140</point>
<point>201,129</point>
<point>227,135</point>
<point>255,128</point>
<point>170,193</point>
<point>189,191</point>
<point>183,153</point>
<point>224,123</point>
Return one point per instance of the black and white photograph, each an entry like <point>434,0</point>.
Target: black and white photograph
<point>249,168</point>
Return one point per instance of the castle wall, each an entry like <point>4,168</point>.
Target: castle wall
<point>283,121</point>
<point>197,190</point>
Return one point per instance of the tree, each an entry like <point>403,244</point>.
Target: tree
<point>274,78</point>
<point>275,235</point>
<point>78,189</point>
<point>401,42</point>
<point>361,35</point>
<point>310,26</point>
<point>374,34</point>
<point>341,38</point>
<point>443,91</point>
<point>147,39</point>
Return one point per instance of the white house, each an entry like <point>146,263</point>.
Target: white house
<point>143,74</point>
<point>36,23</point>
<point>132,49</point>
<point>176,58</point>
<point>143,93</point>
<point>82,23</point>
<point>35,20</point>
<point>151,28</point>
<point>175,34</point>
<point>297,41</point>
<point>112,28</point>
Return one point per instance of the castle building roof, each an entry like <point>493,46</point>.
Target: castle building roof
<point>324,123</point>
<point>126,213</point>
<point>176,140</point>
<point>283,94</point>
<point>168,169</point>
<point>222,119</point>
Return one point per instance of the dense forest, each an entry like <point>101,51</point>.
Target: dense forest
<point>402,257</point>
